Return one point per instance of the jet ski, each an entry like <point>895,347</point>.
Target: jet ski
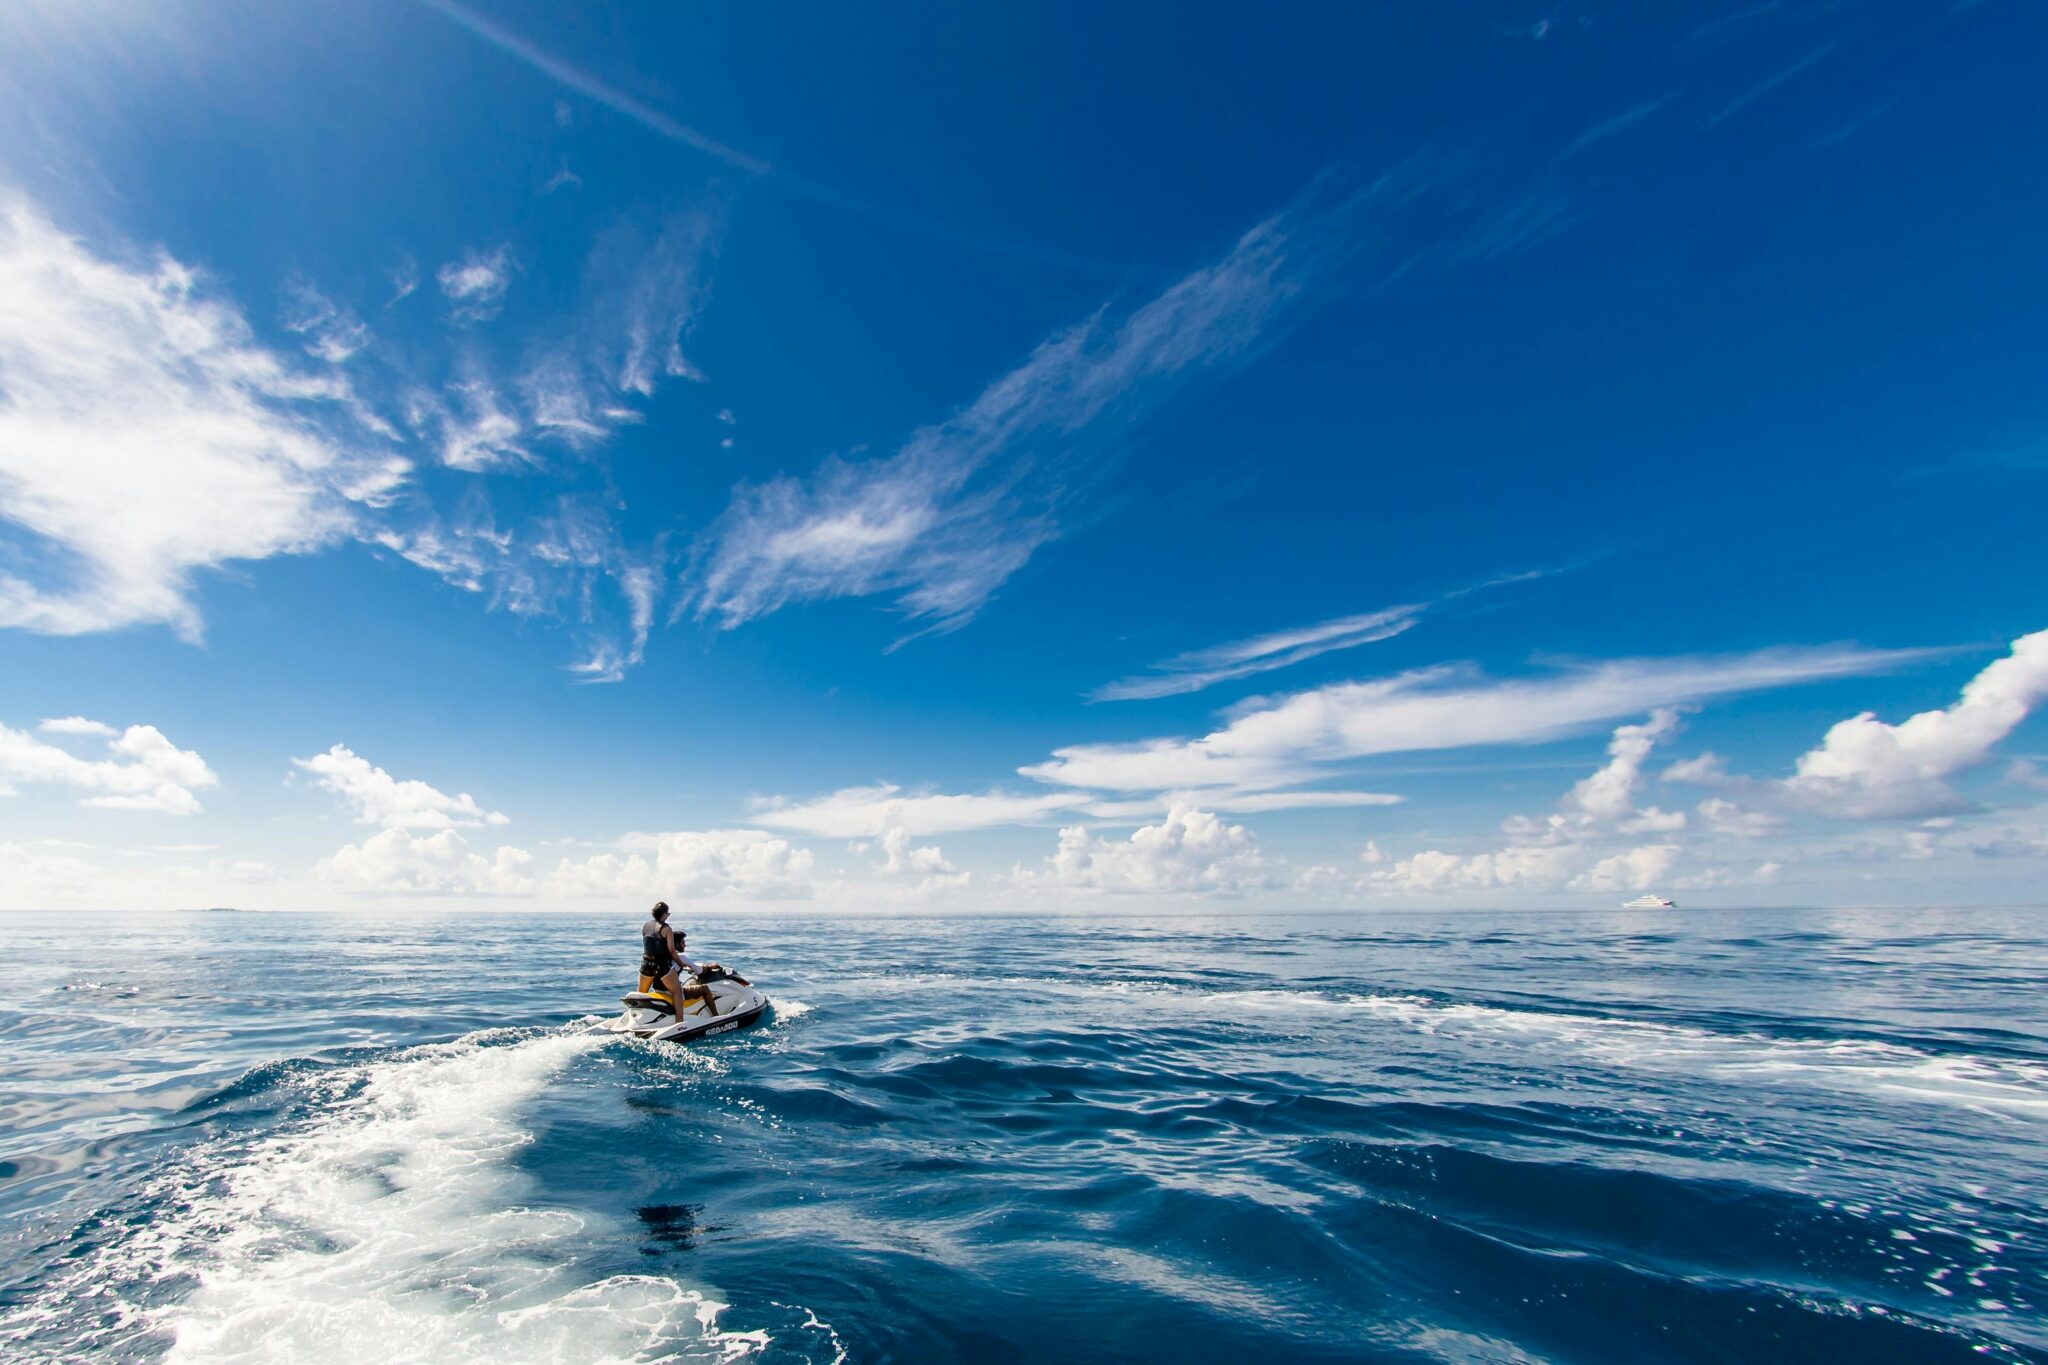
<point>651,1014</point>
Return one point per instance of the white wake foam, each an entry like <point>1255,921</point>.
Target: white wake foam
<point>2008,1086</point>
<point>394,1227</point>
<point>2012,1087</point>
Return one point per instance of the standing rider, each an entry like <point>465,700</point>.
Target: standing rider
<point>661,960</point>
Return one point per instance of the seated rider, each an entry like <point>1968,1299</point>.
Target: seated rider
<point>704,971</point>
<point>661,960</point>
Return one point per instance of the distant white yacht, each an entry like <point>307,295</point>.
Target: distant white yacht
<point>1650,903</point>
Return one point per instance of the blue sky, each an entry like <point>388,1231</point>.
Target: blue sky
<point>1377,455</point>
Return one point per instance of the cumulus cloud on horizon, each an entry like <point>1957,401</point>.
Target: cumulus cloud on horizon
<point>1191,851</point>
<point>738,864</point>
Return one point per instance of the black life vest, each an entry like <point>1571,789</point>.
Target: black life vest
<point>654,947</point>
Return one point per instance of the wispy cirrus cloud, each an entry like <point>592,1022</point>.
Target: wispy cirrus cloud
<point>475,285</point>
<point>944,521</point>
<point>870,812</point>
<point>568,562</point>
<point>1291,740</point>
<point>332,331</point>
<point>1203,668</point>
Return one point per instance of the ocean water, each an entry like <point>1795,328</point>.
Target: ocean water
<point>1792,1135</point>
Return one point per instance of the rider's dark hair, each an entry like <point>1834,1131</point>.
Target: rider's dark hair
<point>661,910</point>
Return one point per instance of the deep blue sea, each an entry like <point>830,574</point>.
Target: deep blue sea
<point>1758,1136</point>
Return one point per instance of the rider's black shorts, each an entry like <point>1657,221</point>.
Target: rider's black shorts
<point>657,970</point>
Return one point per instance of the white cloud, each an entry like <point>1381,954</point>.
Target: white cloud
<point>640,585</point>
<point>1273,743</point>
<point>943,522</point>
<point>475,285</point>
<point>144,435</point>
<point>1610,793</point>
<point>1564,849</point>
<point>405,278</point>
<point>605,875</point>
<point>77,725</point>
<point>34,880</point>
<point>874,812</point>
<point>1707,770</point>
<point>1320,879</point>
<point>1637,869</point>
<point>144,771</point>
<point>332,331</point>
<point>474,430</point>
<point>1651,820</point>
<point>442,864</point>
<point>899,859</point>
<point>871,812</point>
<point>1523,868</point>
<point>742,864</point>
<point>1197,669</point>
<point>1726,817</point>
<point>569,563</point>
<point>1190,851</point>
<point>378,798</point>
<point>1529,868</point>
<point>647,289</point>
<point>748,864</point>
<point>1201,668</point>
<point>1259,803</point>
<point>641,288</point>
<point>1866,769</point>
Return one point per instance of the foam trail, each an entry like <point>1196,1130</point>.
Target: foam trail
<point>2012,1087</point>
<point>393,1227</point>
<point>1881,1070</point>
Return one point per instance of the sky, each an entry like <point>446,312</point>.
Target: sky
<point>484,454</point>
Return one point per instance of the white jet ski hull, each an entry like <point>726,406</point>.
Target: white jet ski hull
<point>650,1016</point>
